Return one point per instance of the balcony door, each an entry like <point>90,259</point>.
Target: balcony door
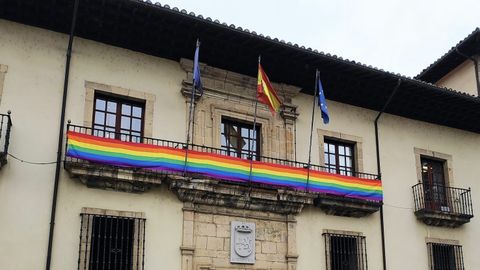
<point>434,184</point>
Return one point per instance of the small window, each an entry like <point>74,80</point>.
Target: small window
<point>345,252</point>
<point>238,139</point>
<point>118,118</point>
<point>339,157</point>
<point>110,242</point>
<point>434,184</point>
<point>445,257</point>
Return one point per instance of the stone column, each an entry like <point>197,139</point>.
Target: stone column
<point>292,254</point>
<point>188,247</point>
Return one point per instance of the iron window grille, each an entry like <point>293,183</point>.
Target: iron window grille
<point>118,118</point>
<point>239,140</point>
<point>445,256</point>
<point>339,157</point>
<point>111,242</point>
<point>345,252</point>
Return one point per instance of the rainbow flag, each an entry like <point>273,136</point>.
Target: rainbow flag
<point>168,159</point>
<point>265,92</point>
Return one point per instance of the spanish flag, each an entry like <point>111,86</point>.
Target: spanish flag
<point>265,92</point>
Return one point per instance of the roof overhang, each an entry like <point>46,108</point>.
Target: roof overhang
<point>169,33</point>
<point>458,54</point>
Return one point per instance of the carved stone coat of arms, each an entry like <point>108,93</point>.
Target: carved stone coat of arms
<point>242,239</point>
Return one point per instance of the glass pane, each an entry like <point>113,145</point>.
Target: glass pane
<point>348,151</point>
<point>244,132</point>
<point>137,111</point>
<point>341,150</point>
<point>125,122</point>
<point>111,119</point>
<point>253,134</point>
<point>349,162</point>
<point>325,147</point>
<point>326,159</point>
<point>111,106</point>
<point>331,148</point>
<point>126,109</point>
<point>99,118</point>
<point>332,159</point>
<point>245,146</point>
<point>136,124</point>
<point>223,140</point>
<point>100,104</point>
<point>341,160</point>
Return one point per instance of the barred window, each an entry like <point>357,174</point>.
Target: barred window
<point>111,242</point>
<point>445,256</point>
<point>345,252</point>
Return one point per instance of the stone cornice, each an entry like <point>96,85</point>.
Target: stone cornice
<point>216,193</point>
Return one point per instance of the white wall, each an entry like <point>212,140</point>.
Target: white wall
<point>33,92</point>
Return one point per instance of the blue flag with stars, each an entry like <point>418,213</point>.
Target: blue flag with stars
<point>197,81</point>
<point>322,102</point>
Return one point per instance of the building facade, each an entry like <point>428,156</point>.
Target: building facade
<point>128,84</point>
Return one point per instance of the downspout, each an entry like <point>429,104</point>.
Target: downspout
<point>475,63</point>
<point>60,136</point>
<point>379,169</point>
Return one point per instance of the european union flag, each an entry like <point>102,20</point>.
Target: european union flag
<point>197,81</point>
<point>322,102</point>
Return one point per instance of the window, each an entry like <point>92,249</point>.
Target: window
<point>111,242</point>
<point>345,252</point>
<point>238,139</point>
<point>434,184</point>
<point>445,256</point>
<point>339,157</point>
<point>118,118</point>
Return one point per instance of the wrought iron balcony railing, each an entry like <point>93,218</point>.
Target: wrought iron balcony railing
<point>442,205</point>
<point>5,128</point>
<point>87,146</point>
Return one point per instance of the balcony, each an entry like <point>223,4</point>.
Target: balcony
<point>209,174</point>
<point>5,128</point>
<point>439,205</point>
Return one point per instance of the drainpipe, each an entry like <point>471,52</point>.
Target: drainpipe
<point>379,170</point>
<point>60,137</point>
<point>475,63</point>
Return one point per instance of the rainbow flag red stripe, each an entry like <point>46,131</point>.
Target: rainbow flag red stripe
<point>168,159</point>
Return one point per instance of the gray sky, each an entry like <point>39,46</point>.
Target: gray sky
<point>402,36</point>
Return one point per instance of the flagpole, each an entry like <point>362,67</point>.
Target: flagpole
<point>254,131</point>
<point>311,130</point>
<point>191,110</point>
